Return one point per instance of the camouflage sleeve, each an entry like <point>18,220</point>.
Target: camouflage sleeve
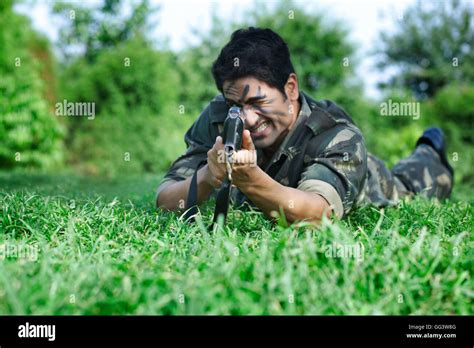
<point>199,139</point>
<point>338,171</point>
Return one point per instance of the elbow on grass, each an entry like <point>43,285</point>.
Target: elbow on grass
<point>166,204</point>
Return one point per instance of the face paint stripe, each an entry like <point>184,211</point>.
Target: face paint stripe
<point>244,93</point>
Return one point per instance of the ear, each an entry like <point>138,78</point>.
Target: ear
<point>291,87</point>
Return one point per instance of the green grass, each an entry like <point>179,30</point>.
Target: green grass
<point>104,249</point>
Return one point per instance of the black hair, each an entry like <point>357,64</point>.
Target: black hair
<point>256,52</point>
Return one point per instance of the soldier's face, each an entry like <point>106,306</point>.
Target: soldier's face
<point>268,115</point>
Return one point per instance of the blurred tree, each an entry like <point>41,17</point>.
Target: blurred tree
<point>194,66</point>
<point>31,135</point>
<point>431,47</point>
<point>138,126</point>
<point>132,86</point>
<point>455,103</point>
<point>91,29</point>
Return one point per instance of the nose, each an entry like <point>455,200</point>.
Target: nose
<point>250,117</point>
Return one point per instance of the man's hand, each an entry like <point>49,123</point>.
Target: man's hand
<point>244,161</point>
<point>216,172</point>
<point>269,195</point>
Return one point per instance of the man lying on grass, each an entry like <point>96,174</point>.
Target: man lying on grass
<point>311,158</point>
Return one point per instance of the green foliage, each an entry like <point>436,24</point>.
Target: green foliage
<point>138,127</point>
<point>96,28</point>
<point>454,104</point>
<point>31,135</point>
<point>432,47</point>
<point>194,66</point>
<point>119,256</point>
<point>453,109</point>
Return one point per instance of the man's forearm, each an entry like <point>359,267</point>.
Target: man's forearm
<point>174,195</point>
<point>269,196</point>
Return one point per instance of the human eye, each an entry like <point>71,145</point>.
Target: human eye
<point>258,103</point>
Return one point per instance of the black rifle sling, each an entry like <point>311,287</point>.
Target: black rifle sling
<point>191,202</point>
<point>222,199</point>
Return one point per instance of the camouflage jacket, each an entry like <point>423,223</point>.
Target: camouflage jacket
<point>323,153</point>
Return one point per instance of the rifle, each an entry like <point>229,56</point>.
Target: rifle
<point>232,139</point>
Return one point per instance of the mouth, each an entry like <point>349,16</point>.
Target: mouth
<point>261,130</point>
